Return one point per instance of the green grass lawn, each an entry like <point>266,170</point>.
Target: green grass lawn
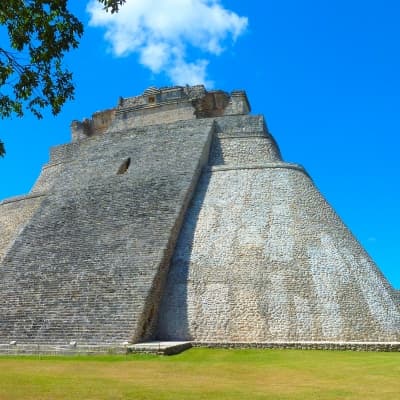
<point>205,374</point>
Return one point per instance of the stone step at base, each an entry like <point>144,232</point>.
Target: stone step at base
<point>46,349</point>
<point>159,348</point>
<point>305,345</point>
<point>170,348</point>
<point>163,348</point>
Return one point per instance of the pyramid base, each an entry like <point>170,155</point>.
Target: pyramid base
<point>51,349</point>
<point>305,345</point>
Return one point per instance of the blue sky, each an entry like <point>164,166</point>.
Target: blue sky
<point>325,75</point>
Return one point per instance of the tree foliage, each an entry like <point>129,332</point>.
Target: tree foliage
<point>32,74</point>
<point>112,5</point>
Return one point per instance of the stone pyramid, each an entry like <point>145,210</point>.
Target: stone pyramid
<point>172,216</point>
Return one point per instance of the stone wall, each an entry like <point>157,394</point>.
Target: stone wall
<point>238,104</point>
<point>14,215</point>
<point>306,345</point>
<point>47,178</point>
<point>90,264</point>
<point>153,115</point>
<point>262,257</point>
<point>239,139</point>
<point>397,296</point>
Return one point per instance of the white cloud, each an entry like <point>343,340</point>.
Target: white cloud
<point>182,73</point>
<point>155,56</point>
<point>162,31</point>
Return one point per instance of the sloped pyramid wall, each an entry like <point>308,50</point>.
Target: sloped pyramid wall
<point>90,262</point>
<point>14,214</point>
<point>92,254</point>
<point>262,257</point>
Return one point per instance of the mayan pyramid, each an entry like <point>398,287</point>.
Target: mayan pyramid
<point>173,216</point>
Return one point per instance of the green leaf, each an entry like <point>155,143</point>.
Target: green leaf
<point>2,149</point>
